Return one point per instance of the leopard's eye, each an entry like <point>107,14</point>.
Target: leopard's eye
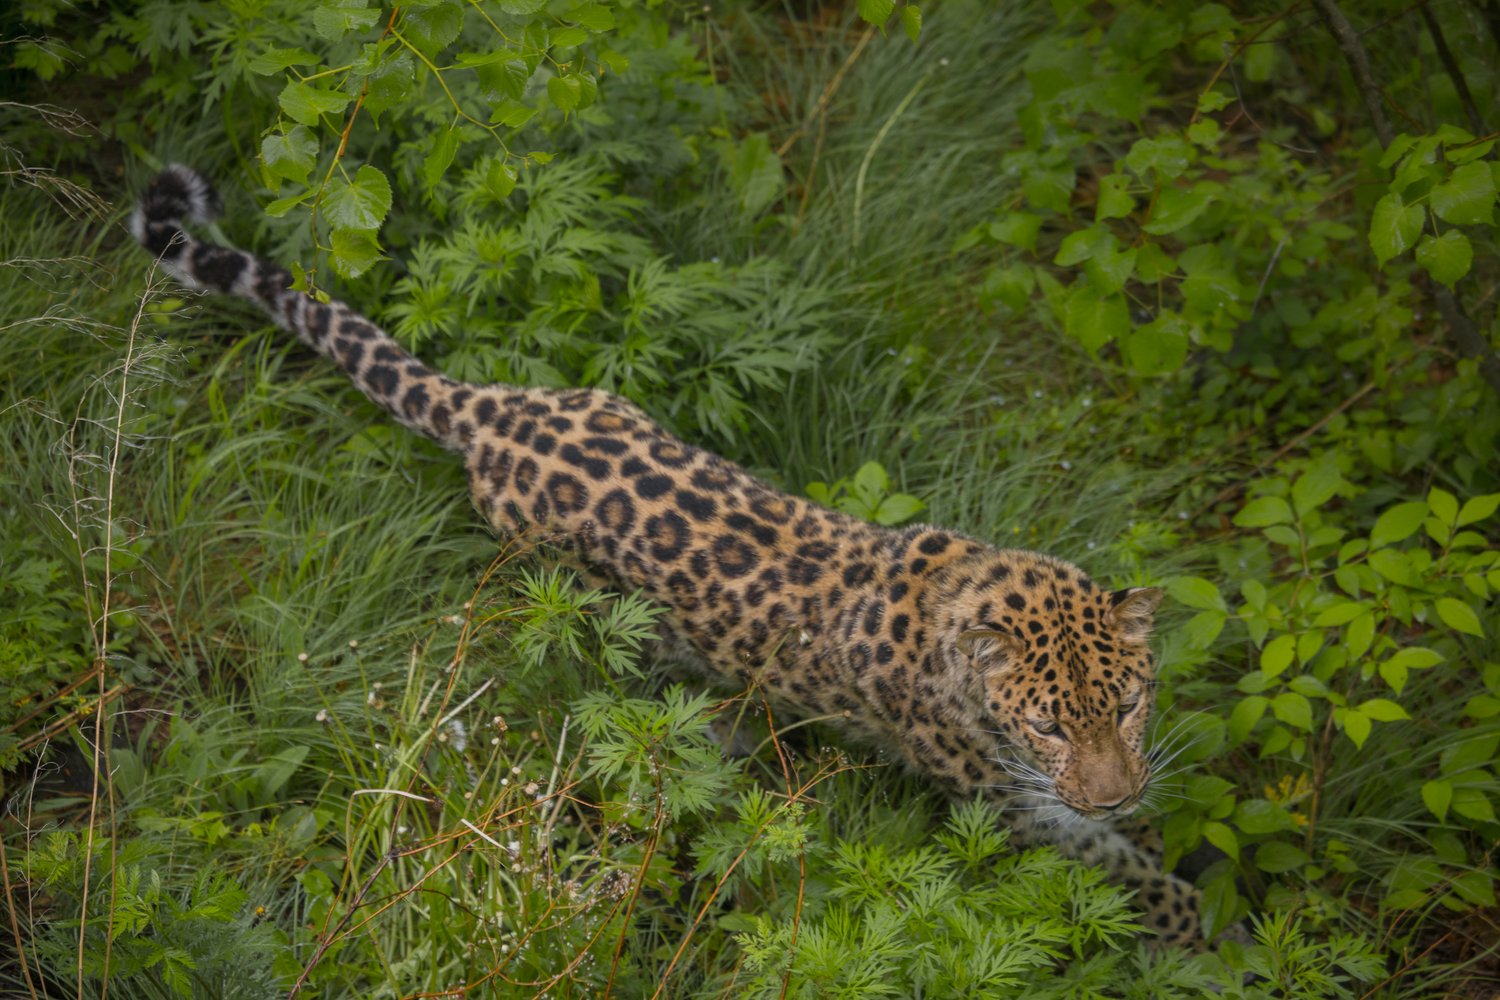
<point>1047,727</point>
<point>1129,704</point>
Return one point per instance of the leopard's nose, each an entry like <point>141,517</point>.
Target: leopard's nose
<point>1107,806</point>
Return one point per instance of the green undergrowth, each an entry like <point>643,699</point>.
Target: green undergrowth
<point>351,742</point>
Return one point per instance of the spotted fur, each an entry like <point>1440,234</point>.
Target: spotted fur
<point>996,671</point>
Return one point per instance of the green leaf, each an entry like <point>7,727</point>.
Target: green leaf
<point>354,251</point>
<point>594,16</point>
<point>1165,158</point>
<point>1257,816</point>
<point>911,21</point>
<point>1277,655</point>
<point>500,179</point>
<point>1293,709</point>
<point>1467,197</point>
<point>1245,715</point>
<point>1263,511</point>
<point>1204,132</point>
<point>1018,229</point>
<point>1447,257</point>
<point>876,12</point>
<point>511,113</point>
<point>1394,227</point>
<point>1083,245</point>
<point>1093,320</point>
<point>1196,592</point>
<point>1317,485</point>
<point>333,19</point>
<point>1437,795</point>
<point>1276,856</point>
<point>567,38</point>
<point>1417,658</point>
<point>1478,508</point>
<point>1159,346</point>
<point>756,173</point>
<point>1108,271</point>
<point>1400,521</point>
<point>432,29</point>
<point>1444,505</point>
<point>306,104</point>
<point>565,92</point>
<point>290,156</point>
<point>1472,803</point>
<point>1459,616</point>
<point>1114,202</point>
<point>1340,614</point>
<point>1176,208</point>
<point>1359,635</point>
<point>1222,837</point>
<point>1382,710</point>
<point>361,203</point>
<point>1357,728</point>
<point>437,162</point>
<point>275,60</point>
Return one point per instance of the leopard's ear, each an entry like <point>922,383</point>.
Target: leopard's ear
<point>1132,611</point>
<point>989,649</point>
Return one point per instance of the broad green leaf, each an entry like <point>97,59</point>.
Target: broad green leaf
<point>1018,229</point>
<point>1114,202</point>
<point>1108,271</point>
<point>431,29</point>
<point>1094,321</point>
<point>361,203</point>
<point>876,12</point>
<point>1417,658</point>
<point>290,156</point>
<point>1458,615</point>
<point>333,19</point>
<point>1159,159</point>
<point>911,21</point>
<point>1011,285</point>
<point>1257,816</point>
<point>1447,257</point>
<point>1467,197</point>
<point>1277,856</point>
<point>307,104</point>
<point>756,173</point>
<point>567,38</point>
<point>1263,511</point>
<point>1245,715</point>
<point>1204,132</point>
<point>1356,727</point>
<point>1382,710</point>
<point>1196,592</point>
<point>354,251</point>
<point>565,92</point>
<point>594,16</point>
<point>1317,485</point>
<point>275,60</point>
<point>1359,635</point>
<point>1176,208</point>
<point>389,79</point>
<point>1340,614</point>
<point>1277,655</point>
<point>1400,521</point>
<point>1293,709</point>
<point>1049,188</point>
<point>1444,505</point>
<point>1478,508</point>
<point>1473,804</point>
<point>1437,795</point>
<point>500,179</point>
<point>1083,245</point>
<point>444,146</point>
<point>1159,346</point>
<point>1222,837</point>
<point>1394,227</point>
<point>1475,751</point>
<point>511,113</point>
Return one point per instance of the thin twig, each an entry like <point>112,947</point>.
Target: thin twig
<point>1470,341</point>
<point>1445,56</point>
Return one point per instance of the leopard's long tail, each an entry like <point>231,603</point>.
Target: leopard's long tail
<point>418,397</point>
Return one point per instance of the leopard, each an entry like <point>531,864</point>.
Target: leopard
<point>1001,673</point>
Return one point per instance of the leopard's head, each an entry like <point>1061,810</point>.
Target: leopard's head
<point>1066,675</point>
